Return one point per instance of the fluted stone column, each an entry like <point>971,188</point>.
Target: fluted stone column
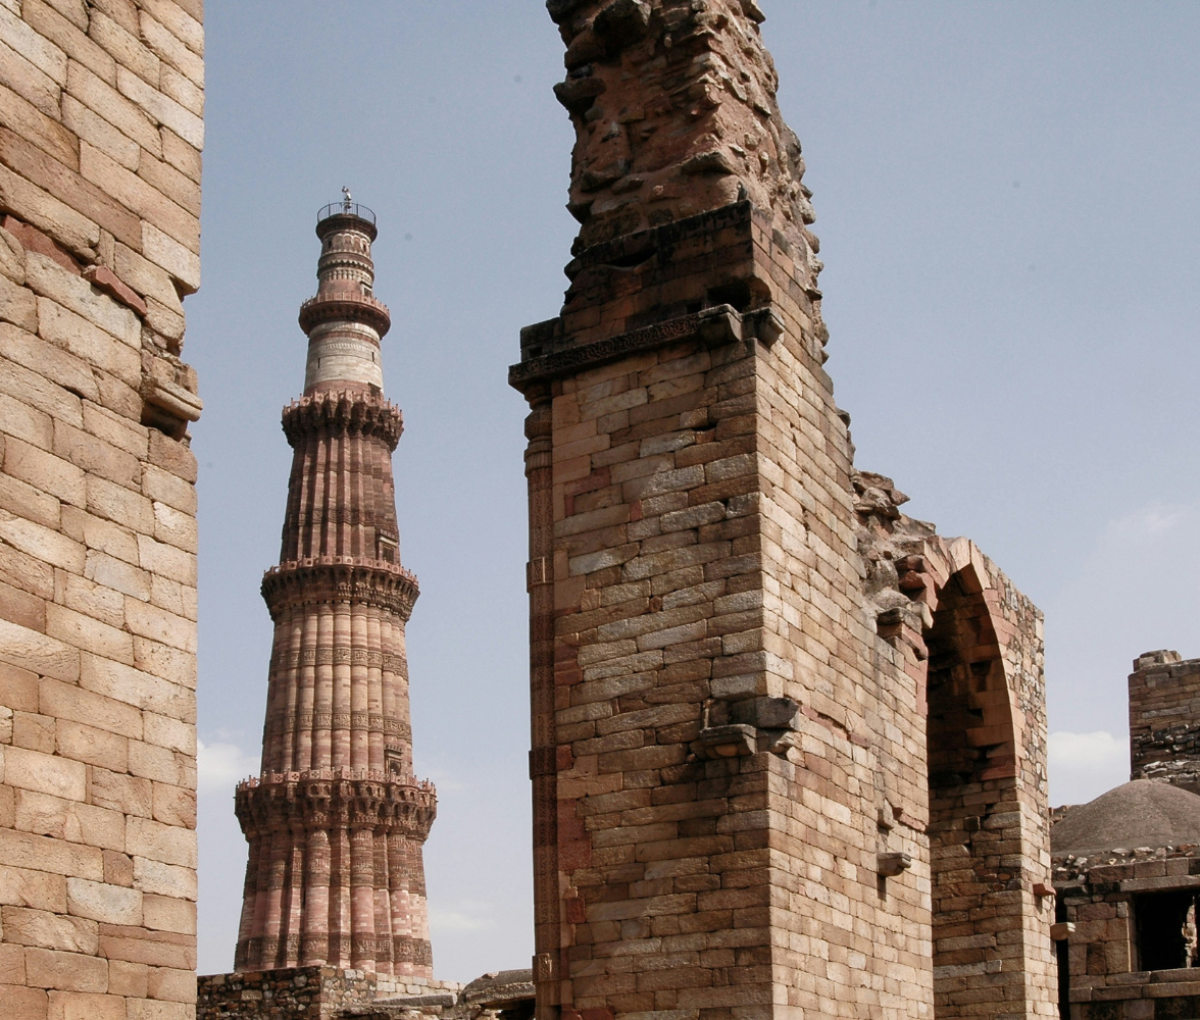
<point>336,819</point>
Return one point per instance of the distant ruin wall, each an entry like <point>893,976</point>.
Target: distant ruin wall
<point>101,107</point>
<point>1164,704</point>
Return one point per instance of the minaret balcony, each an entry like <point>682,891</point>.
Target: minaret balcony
<point>345,306</point>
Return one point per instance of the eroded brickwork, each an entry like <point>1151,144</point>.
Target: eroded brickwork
<point>730,762</point>
<point>1164,719</point>
<point>101,107</point>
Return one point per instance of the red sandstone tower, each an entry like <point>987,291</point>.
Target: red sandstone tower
<point>336,820</point>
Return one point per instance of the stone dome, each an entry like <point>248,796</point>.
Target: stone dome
<point>1141,813</point>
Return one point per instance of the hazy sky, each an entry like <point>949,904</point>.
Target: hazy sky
<point>1007,200</point>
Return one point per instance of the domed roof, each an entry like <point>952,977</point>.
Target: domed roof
<point>1140,813</point>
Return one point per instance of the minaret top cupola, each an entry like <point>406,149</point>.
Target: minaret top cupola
<point>344,322</point>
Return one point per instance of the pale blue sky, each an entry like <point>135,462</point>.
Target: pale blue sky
<point>1006,195</point>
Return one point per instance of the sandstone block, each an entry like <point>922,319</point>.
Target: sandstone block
<point>23,1003</point>
<point>51,474</point>
<point>164,487</point>
<point>108,104</point>
<point>134,193</point>
<point>45,773</point>
<point>84,632</point>
<point>147,278</point>
<point>177,259</point>
<point>75,294</point>
<point>45,968</point>
<point>172,985</point>
<point>49,931</point>
<point>98,901</point>
<point>18,305</point>
<point>174,806</point>
<point>68,37</point>
<point>134,687</point>
<point>51,136</point>
<point>169,733</point>
<point>129,795</point>
<point>50,363</point>
<point>27,80</point>
<point>160,558</point>
<point>65,819</point>
<point>33,732</point>
<point>166,844</point>
<point>89,343</point>
<point>32,203</point>
<point>92,745</point>
<point>36,652</point>
<point>69,701</point>
<point>12,965</point>
<point>164,913</point>
<point>158,625</point>
<point>130,979</point>
<point>172,527</point>
<point>163,661</point>
<point>125,47</point>
<point>85,1006</point>
<point>164,879</point>
<point>38,890</point>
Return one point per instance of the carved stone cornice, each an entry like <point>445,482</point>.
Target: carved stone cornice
<point>335,798</point>
<point>343,411</point>
<point>332,579</point>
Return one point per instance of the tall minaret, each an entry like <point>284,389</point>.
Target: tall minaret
<point>336,820</point>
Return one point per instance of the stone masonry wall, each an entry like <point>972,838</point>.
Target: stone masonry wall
<point>101,106</point>
<point>1164,704</point>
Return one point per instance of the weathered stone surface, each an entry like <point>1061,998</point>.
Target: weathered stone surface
<point>99,220</point>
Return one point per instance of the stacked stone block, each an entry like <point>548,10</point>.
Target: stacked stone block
<point>730,757</point>
<point>101,108</point>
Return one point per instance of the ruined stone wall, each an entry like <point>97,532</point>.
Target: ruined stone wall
<point>1164,706</point>
<point>101,108</point>
<point>731,790</point>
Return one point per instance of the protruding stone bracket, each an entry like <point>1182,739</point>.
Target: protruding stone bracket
<point>893,864</point>
<point>167,403</point>
<point>757,725</point>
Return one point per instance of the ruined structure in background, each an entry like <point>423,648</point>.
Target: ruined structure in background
<point>334,904</point>
<point>788,744</point>
<point>101,108</point>
<point>1127,864</point>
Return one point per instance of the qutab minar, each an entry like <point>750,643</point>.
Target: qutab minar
<point>336,820</point>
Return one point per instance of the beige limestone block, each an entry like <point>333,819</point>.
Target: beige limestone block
<point>74,231</point>
<point>51,280</point>
<point>49,931</point>
<point>33,731</point>
<point>58,477</point>
<point>168,595</point>
<point>45,968</point>
<point>165,487</point>
<point>120,505</point>
<point>12,257</point>
<point>118,575</point>
<point>70,38</point>
<point>12,965</point>
<point>177,186</point>
<point>163,250</point>
<point>169,733</point>
<point>155,1009</point>
<point>63,819</point>
<point>99,901</point>
<point>75,11</point>
<point>94,129</point>
<point>28,80</point>
<point>38,391</point>
<point>38,890</point>
<point>92,745</point>
<point>51,136</point>
<point>154,841</point>
<point>84,632</point>
<point>174,806</point>
<point>27,40</point>
<point>183,90</point>
<point>39,853</point>
<point>130,436</point>
<point>149,621</point>
<point>6,725</point>
<point>85,596</point>
<point>160,558</point>
<point>160,764</point>
<point>44,773</point>
<point>172,50</point>
<point>69,701</point>
<point>107,103</point>
<point>18,688</point>
<point>21,420</point>
<point>178,22</point>
<point>129,979</point>
<point>127,48</point>
<point>23,1003</point>
<point>138,688</point>
<point>161,660</point>
<point>164,879</point>
<point>172,985</point>
<point>136,194</point>
<point>65,1005</point>
<point>182,156</point>
<point>30,650</point>
<point>146,277</point>
<point>172,527</point>
<point>167,914</point>
<point>116,792</point>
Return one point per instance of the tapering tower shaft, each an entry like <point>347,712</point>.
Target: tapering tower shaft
<point>336,820</point>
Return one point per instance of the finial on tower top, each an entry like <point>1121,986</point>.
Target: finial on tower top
<point>347,201</point>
